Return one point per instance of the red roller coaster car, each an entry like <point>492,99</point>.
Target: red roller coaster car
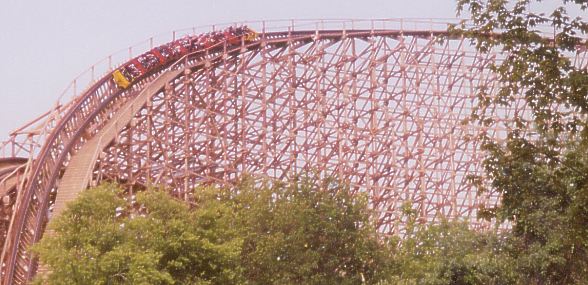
<point>160,56</point>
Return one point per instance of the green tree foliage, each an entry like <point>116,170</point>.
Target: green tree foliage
<point>102,238</point>
<point>538,66</point>
<point>546,201</point>
<point>302,233</point>
<point>449,253</point>
<point>542,177</point>
<point>309,233</point>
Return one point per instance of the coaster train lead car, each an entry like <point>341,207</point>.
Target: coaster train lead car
<point>162,55</point>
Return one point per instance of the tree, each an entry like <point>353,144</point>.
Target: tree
<point>308,231</point>
<point>102,238</point>
<point>449,253</point>
<point>541,173</point>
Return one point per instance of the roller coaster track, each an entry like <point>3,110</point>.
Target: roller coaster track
<point>378,107</point>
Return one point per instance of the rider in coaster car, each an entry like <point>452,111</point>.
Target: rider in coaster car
<point>148,60</point>
<point>133,70</point>
<point>185,42</point>
<point>164,51</point>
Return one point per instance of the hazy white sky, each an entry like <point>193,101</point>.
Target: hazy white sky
<point>45,44</point>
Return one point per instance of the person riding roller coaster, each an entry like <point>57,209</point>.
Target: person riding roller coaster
<point>165,54</point>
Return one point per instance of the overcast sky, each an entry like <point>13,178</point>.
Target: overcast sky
<point>45,44</point>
